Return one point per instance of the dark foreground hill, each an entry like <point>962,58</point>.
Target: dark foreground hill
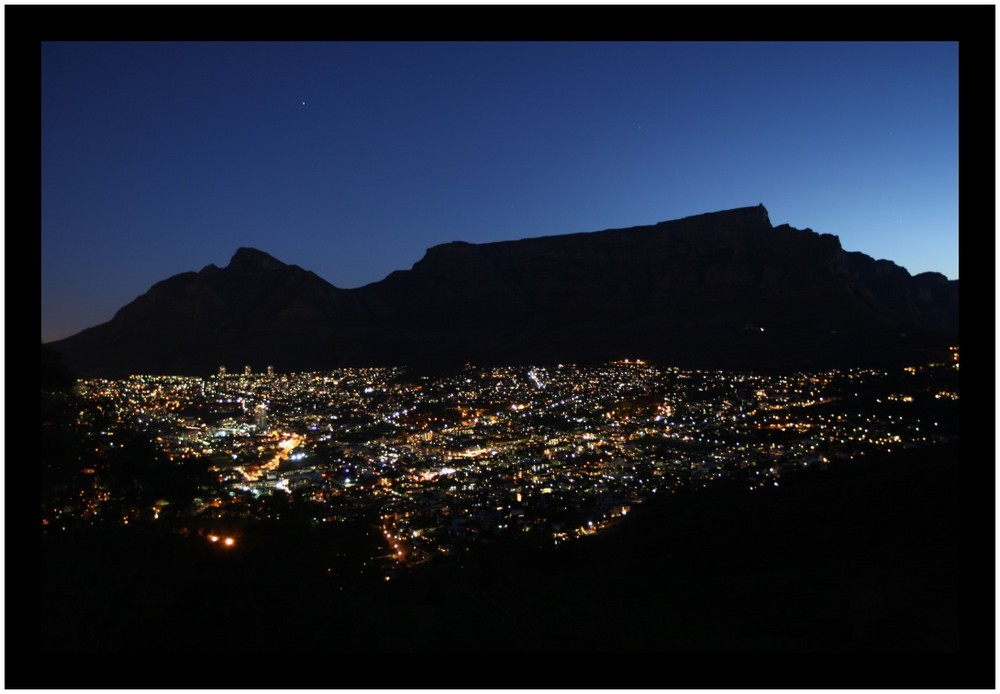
<point>719,290</point>
<point>862,557</point>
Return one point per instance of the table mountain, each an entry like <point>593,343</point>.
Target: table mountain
<point>719,290</point>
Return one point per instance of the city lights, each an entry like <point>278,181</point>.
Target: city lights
<point>553,453</point>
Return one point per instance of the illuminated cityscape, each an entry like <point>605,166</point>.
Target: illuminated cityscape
<point>452,347</point>
<point>440,464</point>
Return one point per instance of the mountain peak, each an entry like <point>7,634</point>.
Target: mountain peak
<point>251,259</point>
<point>739,218</point>
<point>761,213</point>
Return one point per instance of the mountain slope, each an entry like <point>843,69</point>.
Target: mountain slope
<point>719,290</point>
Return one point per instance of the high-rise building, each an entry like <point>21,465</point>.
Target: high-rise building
<point>260,416</point>
<point>246,370</point>
<point>270,371</point>
<point>222,370</point>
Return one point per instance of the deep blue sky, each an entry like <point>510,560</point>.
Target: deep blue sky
<point>350,159</point>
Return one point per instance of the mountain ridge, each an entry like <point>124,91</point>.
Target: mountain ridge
<point>717,290</point>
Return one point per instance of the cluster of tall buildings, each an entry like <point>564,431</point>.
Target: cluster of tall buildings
<point>247,370</point>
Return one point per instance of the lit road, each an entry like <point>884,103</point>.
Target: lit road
<point>285,448</point>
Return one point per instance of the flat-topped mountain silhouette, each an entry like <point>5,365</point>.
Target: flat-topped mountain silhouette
<point>719,290</point>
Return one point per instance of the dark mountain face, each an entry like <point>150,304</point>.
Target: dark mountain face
<point>720,290</point>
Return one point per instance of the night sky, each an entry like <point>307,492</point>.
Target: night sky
<point>350,159</point>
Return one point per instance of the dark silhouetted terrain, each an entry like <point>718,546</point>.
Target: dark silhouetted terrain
<point>860,557</point>
<point>719,290</point>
